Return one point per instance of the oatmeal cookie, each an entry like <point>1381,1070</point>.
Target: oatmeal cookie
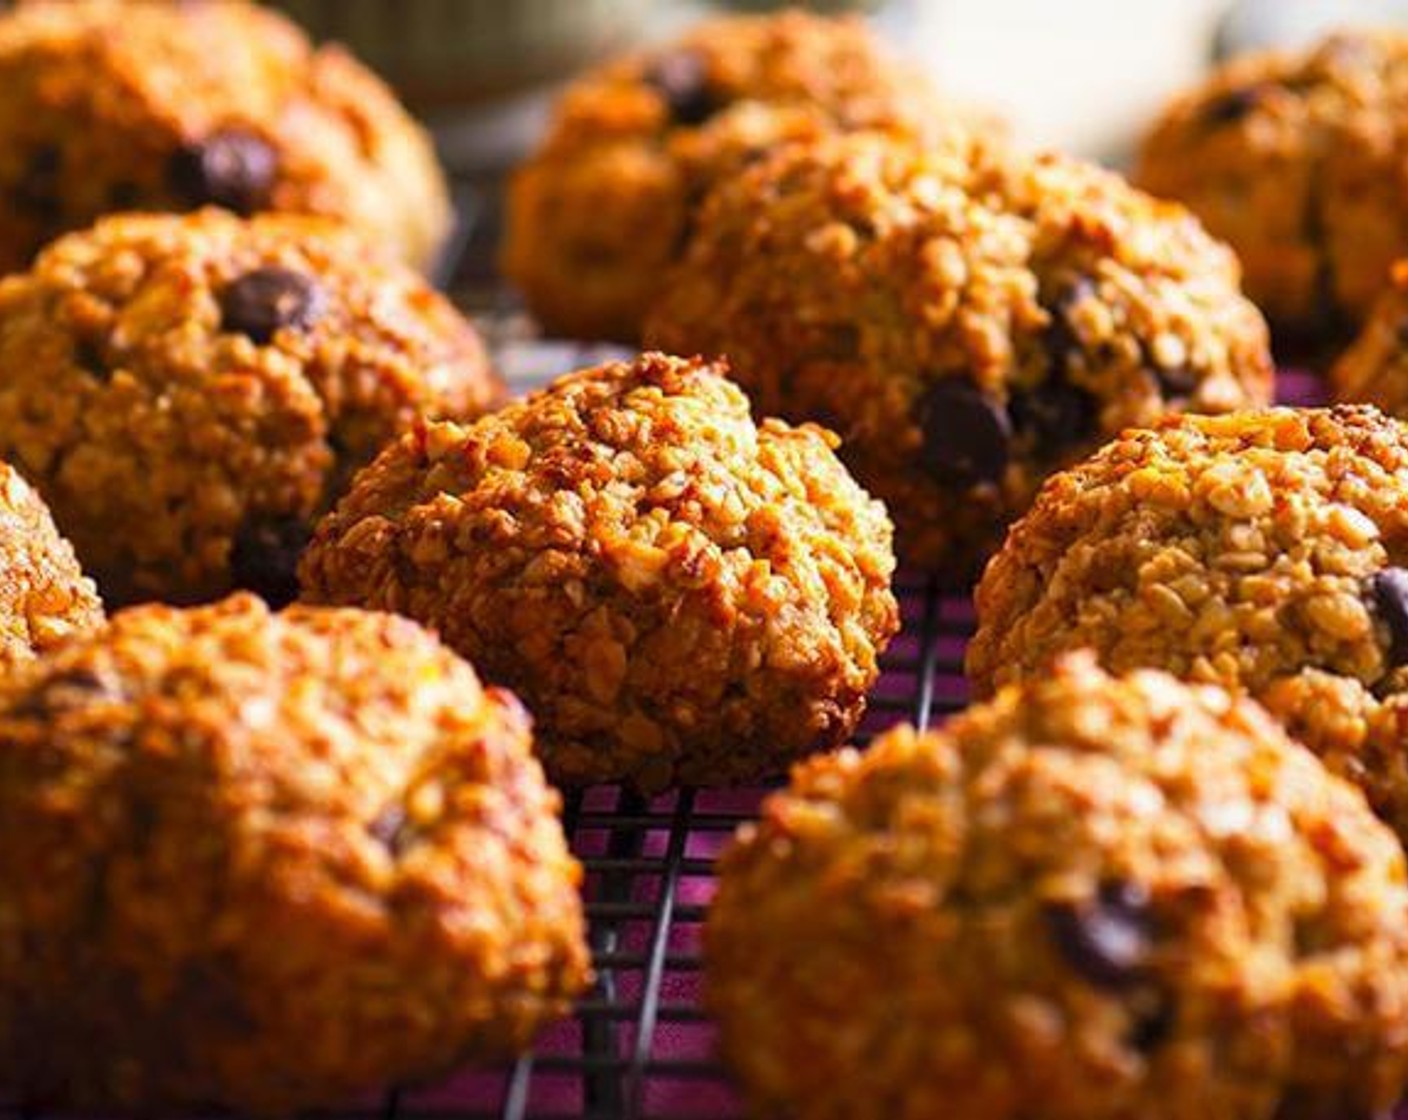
<point>1266,551</point>
<point>106,105</point>
<point>1092,899</point>
<point>44,596</point>
<point>603,207</point>
<point>678,594</point>
<point>1374,369</point>
<point>966,324</point>
<point>1300,161</point>
<point>268,861</point>
<point>189,391</point>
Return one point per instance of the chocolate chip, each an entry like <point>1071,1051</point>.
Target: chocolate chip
<point>1232,106</point>
<point>1056,414</point>
<point>233,168</point>
<point>389,829</point>
<point>1391,603</point>
<point>37,189</point>
<point>682,81</point>
<point>967,435</point>
<point>1060,340</point>
<point>1176,383</point>
<point>124,195</point>
<point>1152,1019</point>
<point>68,690</point>
<point>264,558</point>
<point>88,356</point>
<point>261,302</point>
<point>1106,939</point>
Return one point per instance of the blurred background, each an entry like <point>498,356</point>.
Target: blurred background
<point>1082,75</point>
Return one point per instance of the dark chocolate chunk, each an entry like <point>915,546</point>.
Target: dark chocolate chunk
<point>967,435</point>
<point>1106,940</point>
<point>1232,106</point>
<point>262,302</point>
<point>264,558</point>
<point>233,168</point>
<point>1176,383</point>
<point>1391,604</point>
<point>1057,415</point>
<point>72,689</point>
<point>37,189</point>
<point>1060,340</point>
<point>1153,1017</point>
<point>682,80</point>
<point>389,828</point>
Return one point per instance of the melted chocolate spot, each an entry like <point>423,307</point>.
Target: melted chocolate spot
<point>682,81</point>
<point>388,828</point>
<point>233,168</point>
<point>1391,605</point>
<point>967,435</point>
<point>1106,939</point>
<point>264,558</point>
<point>1232,106</point>
<point>1057,415</point>
<point>262,302</point>
<point>38,187</point>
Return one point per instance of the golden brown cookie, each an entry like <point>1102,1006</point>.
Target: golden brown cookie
<point>188,392</point>
<point>1300,161</point>
<point>269,861</point>
<point>1092,899</point>
<point>106,106</point>
<point>1266,551</point>
<point>679,594</point>
<point>602,208</point>
<point>44,596</point>
<point>967,325</point>
<point>1374,369</point>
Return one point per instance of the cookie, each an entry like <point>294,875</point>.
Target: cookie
<point>110,106</point>
<point>600,210</point>
<point>680,595</point>
<point>45,598</point>
<point>1266,551</point>
<point>966,324</point>
<point>1374,368</point>
<point>1297,159</point>
<point>189,391</point>
<point>268,861</point>
<point>1093,898</point>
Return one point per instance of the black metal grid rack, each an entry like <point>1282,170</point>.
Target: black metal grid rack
<point>639,1046</point>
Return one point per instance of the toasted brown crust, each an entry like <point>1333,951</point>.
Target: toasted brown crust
<point>1090,899</point>
<point>268,861</point>
<point>679,595</point>
<point>853,279</point>
<point>165,437</point>
<point>1247,550</point>
<point>44,596</point>
<point>1299,160</point>
<point>603,207</point>
<point>98,97</point>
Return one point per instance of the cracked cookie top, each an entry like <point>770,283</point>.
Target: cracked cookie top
<point>967,323</point>
<point>680,594</point>
<point>1265,550</point>
<point>1094,897</point>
